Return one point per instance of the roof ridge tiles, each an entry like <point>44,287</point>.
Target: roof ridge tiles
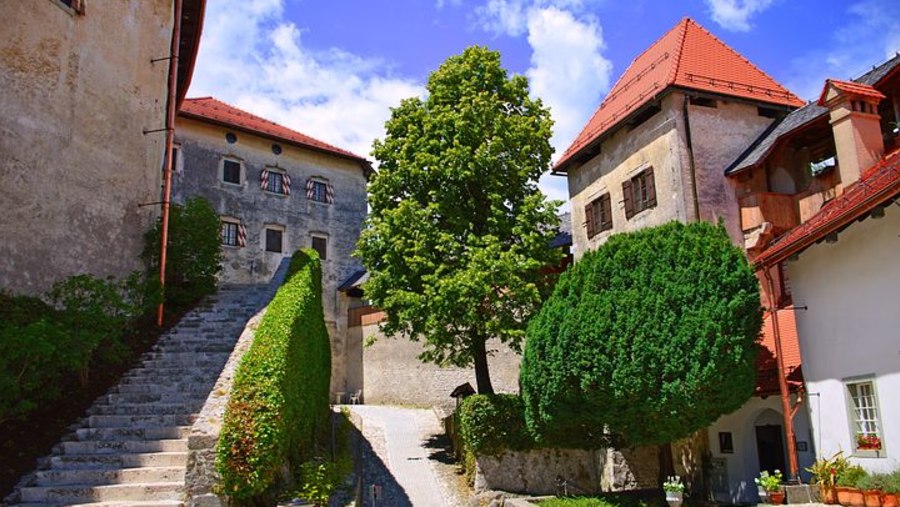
<point>689,57</point>
<point>221,110</point>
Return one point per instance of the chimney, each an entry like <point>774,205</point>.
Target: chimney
<point>856,125</point>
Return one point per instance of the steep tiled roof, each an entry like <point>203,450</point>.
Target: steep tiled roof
<point>215,111</point>
<point>802,117</point>
<point>850,88</point>
<point>877,185</point>
<point>767,368</point>
<point>760,148</point>
<point>688,57</point>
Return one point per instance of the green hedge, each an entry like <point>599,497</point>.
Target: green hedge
<point>279,401</point>
<point>492,423</point>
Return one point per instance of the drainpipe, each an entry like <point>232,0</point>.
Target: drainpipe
<point>170,139</point>
<point>690,150</point>
<point>786,409</point>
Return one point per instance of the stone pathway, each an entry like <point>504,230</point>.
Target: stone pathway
<point>131,448</point>
<point>401,456</point>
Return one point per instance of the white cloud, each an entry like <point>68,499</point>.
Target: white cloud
<point>734,15</point>
<point>332,95</point>
<point>870,35</point>
<point>568,70</point>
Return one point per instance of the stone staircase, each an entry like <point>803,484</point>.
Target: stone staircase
<point>131,448</point>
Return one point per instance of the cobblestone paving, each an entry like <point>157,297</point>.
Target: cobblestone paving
<point>400,455</point>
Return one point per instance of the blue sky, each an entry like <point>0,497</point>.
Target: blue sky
<point>333,69</point>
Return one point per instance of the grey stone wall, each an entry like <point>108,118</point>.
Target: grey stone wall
<point>535,472</point>
<point>203,147</point>
<point>393,374</point>
<point>78,91</point>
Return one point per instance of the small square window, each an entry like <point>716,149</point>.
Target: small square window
<point>320,245</point>
<point>319,191</point>
<point>639,192</point>
<point>229,233</point>
<point>598,215</point>
<point>231,172</point>
<point>275,183</point>
<point>274,239</point>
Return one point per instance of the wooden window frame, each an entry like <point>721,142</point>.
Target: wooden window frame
<point>240,169</point>
<point>226,238</point>
<point>639,192</point>
<point>598,215</point>
<point>323,254</point>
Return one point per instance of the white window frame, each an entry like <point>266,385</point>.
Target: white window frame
<point>242,176</point>
<point>865,418</point>
<point>265,234</point>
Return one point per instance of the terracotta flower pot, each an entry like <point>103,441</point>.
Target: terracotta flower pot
<point>889,500</point>
<point>857,498</point>
<point>827,494</point>
<point>843,495</point>
<point>776,497</point>
<point>872,497</point>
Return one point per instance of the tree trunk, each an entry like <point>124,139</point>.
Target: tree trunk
<point>482,374</point>
<point>666,462</point>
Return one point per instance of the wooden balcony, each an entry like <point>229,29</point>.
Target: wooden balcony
<point>778,209</point>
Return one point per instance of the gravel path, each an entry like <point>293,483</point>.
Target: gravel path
<point>402,454</point>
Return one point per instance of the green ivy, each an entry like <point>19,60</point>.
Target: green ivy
<point>279,401</point>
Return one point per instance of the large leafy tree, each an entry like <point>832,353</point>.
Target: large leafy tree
<point>651,336</point>
<point>458,230</point>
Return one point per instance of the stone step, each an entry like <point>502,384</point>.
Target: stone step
<point>85,493</point>
<point>107,434</point>
<point>147,377</point>
<point>169,372</point>
<point>164,389</point>
<point>144,409</point>
<point>199,364</point>
<point>200,346</point>
<point>120,503</point>
<point>111,461</point>
<point>152,397</point>
<point>125,446</point>
<point>187,357</point>
<point>139,421</point>
<point>97,477</point>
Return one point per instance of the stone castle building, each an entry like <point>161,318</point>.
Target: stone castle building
<point>276,191</point>
<point>82,84</point>
<point>657,150</point>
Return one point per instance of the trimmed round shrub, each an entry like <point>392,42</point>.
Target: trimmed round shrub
<point>650,337</point>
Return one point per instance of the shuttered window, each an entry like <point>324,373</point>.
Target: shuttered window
<point>233,233</point>
<point>319,191</point>
<point>598,215</point>
<point>275,182</point>
<point>639,192</point>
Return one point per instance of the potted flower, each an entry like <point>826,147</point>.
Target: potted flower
<point>825,473</point>
<point>674,489</point>
<point>771,483</point>
<point>868,442</point>
<point>847,492</point>
<point>872,487</point>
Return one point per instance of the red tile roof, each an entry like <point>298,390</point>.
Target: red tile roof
<point>850,88</point>
<point>687,56</point>
<point>876,185</point>
<point>215,111</point>
<point>767,368</point>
